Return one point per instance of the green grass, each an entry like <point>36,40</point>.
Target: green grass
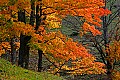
<point>12,72</point>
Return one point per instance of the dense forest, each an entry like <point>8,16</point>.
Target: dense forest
<point>59,39</point>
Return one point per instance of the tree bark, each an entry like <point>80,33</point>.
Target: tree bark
<point>32,15</point>
<point>24,48</point>
<point>22,54</point>
<point>105,35</point>
<point>40,52</point>
<point>21,17</point>
<point>13,51</point>
<point>38,23</point>
<point>26,51</point>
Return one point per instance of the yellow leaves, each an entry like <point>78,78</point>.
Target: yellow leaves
<point>28,29</point>
<point>53,21</point>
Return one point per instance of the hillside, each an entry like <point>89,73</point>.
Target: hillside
<point>12,72</point>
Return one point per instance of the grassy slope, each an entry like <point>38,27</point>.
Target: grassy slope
<point>12,72</point>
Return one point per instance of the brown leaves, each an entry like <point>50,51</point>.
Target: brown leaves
<point>113,51</point>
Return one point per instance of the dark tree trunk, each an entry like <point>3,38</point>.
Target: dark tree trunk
<point>105,35</point>
<point>40,52</point>
<point>24,48</point>
<point>32,15</point>
<point>26,51</point>
<point>13,51</point>
<point>24,40</point>
<point>27,38</point>
<point>109,70</point>
<point>21,51</point>
<point>21,17</point>
<point>38,23</point>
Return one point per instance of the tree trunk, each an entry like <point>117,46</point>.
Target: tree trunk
<point>105,35</point>
<point>40,52</point>
<point>13,51</point>
<point>38,23</point>
<point>26,51</point>
<point>24,48</point>
<point>21,17</point>
<point>109,70</point>
<point>32,15</point>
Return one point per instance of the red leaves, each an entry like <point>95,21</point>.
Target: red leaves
<point>90,10</point>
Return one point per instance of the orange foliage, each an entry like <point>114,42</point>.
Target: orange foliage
<point>116,75</point>
<point>56,43</point>
<point>62,50</point>
<point>3,2</point>
<point>1,50</point>
<point>90,10</point>
<point>113,51</point>
<point>85,65</point>
<point>3,47</point>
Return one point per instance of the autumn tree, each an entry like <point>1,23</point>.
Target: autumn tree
<point>62,11</point>
<point>109,38</point>
<point>48,16</point>
<point>109,35</point>
<point>9,11</point>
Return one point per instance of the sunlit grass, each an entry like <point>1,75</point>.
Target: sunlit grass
<point>12,72</point>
